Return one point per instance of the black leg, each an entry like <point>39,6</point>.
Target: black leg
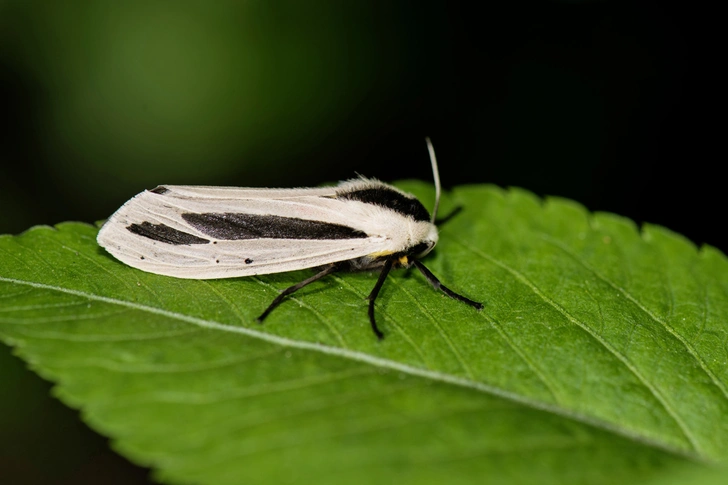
<point>439,286</point>
<point>373,296</point>
<point>291,289</point>
<point>446,218</point>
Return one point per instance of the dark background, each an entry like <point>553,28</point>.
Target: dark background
<point>616,105</point>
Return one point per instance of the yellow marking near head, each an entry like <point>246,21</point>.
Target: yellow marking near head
<point>380,254</point>
<point>403,261</point>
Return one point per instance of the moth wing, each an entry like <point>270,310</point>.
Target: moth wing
<point>197,255</point>
<point>318,204</point>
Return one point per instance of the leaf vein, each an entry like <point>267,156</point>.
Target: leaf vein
<point>443,335</point>
<point>205,398</point>
<point>395,323</point>
<point>160,368</point>
<point>657,394</point>
<point>688,346</point>
<point>551,386</point>
<point>105,338</point>
<point>318,314</point>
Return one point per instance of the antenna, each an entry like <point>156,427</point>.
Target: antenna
<point>436,177</point>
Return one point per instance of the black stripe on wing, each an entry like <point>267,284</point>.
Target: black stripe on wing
<point>233,226</point>
<point>389,198</point>
<point>165,234</point>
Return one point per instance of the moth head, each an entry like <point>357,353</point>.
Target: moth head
<point>425,245</point>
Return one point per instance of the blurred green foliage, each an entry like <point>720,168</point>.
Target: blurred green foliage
<point>139,93</point>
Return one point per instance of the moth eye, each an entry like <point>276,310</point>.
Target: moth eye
<point>422,249</point>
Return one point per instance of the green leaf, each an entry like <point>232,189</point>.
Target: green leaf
<point>600,355</point>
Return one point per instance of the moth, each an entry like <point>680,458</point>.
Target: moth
<point>203,232</point>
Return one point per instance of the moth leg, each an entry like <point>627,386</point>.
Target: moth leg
<point>373,296</point>
<point>439,286</point>
<point>291,289</point>
<point>446,218</point>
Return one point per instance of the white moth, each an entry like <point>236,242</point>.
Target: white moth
<point>201,232</point>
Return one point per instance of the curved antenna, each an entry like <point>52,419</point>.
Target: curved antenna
<point>436,176</point>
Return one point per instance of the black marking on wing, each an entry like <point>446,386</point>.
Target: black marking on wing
<point>160,189</point>
<point>165,234</point>
<point>232,225</point>
<point>391,199</point>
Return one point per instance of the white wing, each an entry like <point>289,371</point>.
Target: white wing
<point>223,257</point>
